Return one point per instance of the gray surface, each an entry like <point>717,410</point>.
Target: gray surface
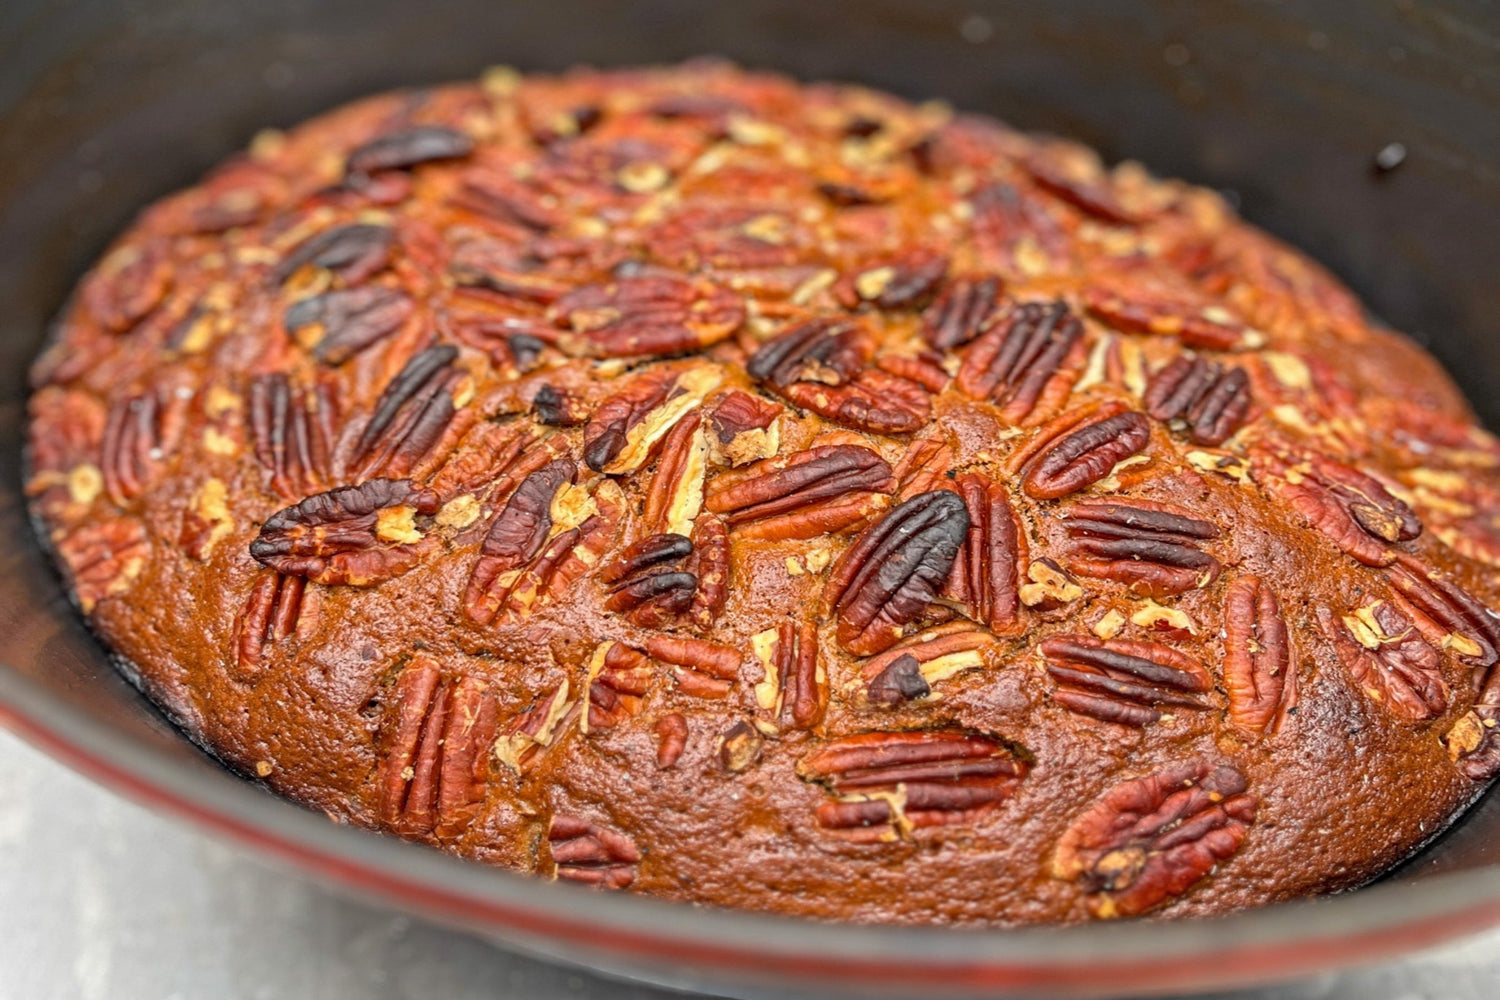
<point>100,900</point>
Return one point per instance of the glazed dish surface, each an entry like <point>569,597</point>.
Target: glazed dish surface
<point>782,497</point>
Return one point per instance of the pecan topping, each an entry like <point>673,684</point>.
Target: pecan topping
<point>356,535</point>
<point>618,680</point>
<point>924,467</point>
<point>793,690</point>
<point>710,564</point>
<point>1210,401</point>
<point>1152,548</point>
<point>353,252</point>
<point>963,309</point>
<point>588,853</point>
<point>496,194</point>
<point>908,671</point>
<point>987,574</point>
<point>1259,669</point>
<point>810,493</point>
<point>1088,194</point>
<point>627,426</point>
<point>1355,511</point>
<point>887,785</point>
<point>1021,357</point>
<point>1018,233</point>
<point>656,315</point>
<point>671,739</point>
<point>1149,840</point>
<point>482,266</point>
<point>740,747</point>
<point>558,407</point>
<point>1459,623</point>
<point>524,738</point>
<point>294,431</point>
<point>676,493</point>
<point>131,447</point>
<point>1210,328</point>
<point>337,325</point>
<point>434,777</point>
<point>885,581</point>
<point>128,284</point>
<point>742,429</point>
<point>1124,681</point>
<point>407,148</point>
<point>701,668</point>
<point>272,613</point>
<point>901,284</point>
<point>647,584</point>
<point>1389,660</point>
<point>410,416</point>
<point>1081,458</point>
<point>104,558</point>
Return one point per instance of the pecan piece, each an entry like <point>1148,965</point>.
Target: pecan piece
<point>1474,739</point>
<point>958,315</point>
<point>655,315</point>
<point>1022,356</point>
<point>1149,840</point>
<point>1459,623</point>
<point>885,581</point>
<point>558,407</point>
<point>128,284</point>
<point>793,689</point>
<point>1210,401</point>
<point>411,415</point>
<point>131,447</point>
<point>905,283</point>
<point>1090,194</point>
<point>1018,233</point>
<point>742,429</point>
<point>887,785</point>
<point>908,671</point>
<point>1152,548</point>
<point>353,252</point>
<point>740,748</point>
<point>671,736</point>
<point>675,495</point>
<point>1389,660</point>
<point>272,613</point>
<point>813,492</point>
<point>618,680</point>
<point>355,535</point>
<point>337,325</point>
<point>701,668</point>
<point>1259,668</point>
<point>525,737</point>
<point>407,148</point>
<point>710,564</point>
<point>627,426</point>
<point>434,777</point>
<point>1211,328</point>
<point>647,583</point>
<point>588,853</point>
<point>987,574</point>
<point>1124,681</point>
<point>1354,510</point>
<point>104,558</point>
<point>924,467</point>
<point>1082,457</point>
<point>294,432</point>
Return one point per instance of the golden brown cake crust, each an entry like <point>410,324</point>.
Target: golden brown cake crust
<point>780,497</point>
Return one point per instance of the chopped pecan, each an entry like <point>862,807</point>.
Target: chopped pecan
<point>742,429</point>
<point>675,495</point>
<point>627,426</point>
<point>908,671</point>
<point>356,535</point>
<point>654,316</point>
<point>1149,840</point>
<point>294,431</point>
<point>104,558</point>
<point>671,739</point>
<point>1152,548</point>
<point>813,492</point>
<point>618,680</point>
<point>887,785</point>
<point>1209,400</point>
<point>434,777</point>
<point>1124,681</point>
<point>588,853</point>
<point>1048,587</point>
<point>523,739</point>
<point>207,520</point>
<point>272,613</point>
<point>1463,626</point>
<point>647,583</point>
<point>961,312</point>
<point>131,447</point>
<point>885,581</point>
<point>558,407</point>
<point>407,148</point>
<point>905,283</point>
<point>410,416</point>
<point>1259,669</point>
<point>1389,660</point>
<point>793,689</point>
<point>740,747</point>
<point>987,574</point>
<point>1354,510</point>
<point>337,325</point>
<point>1078,458</point>
<point>1021,356</point>
<point>353,252</point>
<point>702,669</point>
<point>924,467</point>
<point>1211,328</point>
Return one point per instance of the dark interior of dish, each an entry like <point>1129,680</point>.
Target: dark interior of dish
<point>1363,133</point>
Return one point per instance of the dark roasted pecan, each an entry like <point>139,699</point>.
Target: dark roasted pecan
<point>294,432</point>
<point>908,671</point>
<point>647,583</point>
<point>742,429</point>
<point>130,450</point>
<point>961,312</point>
<point>1355,511</point>
<point>410,416</point>
<point>434,776</point>
<point>272,613</point>
<point>1459,623</point>
<point>339,324</point>
<point>701,668</point>
<point>1210,401</point>
<point>987,574</point>
<point>408,148</point>
<point>793,689</point>
<point>1211,328</point>
<point>1259,668</point>
<point>1389,660</point>
<point>1018,357</point>
<point>353,252</point>
<point>104,558</point>
<point>885,581</point>
<point>1151,547</point>
<point>888,785</point>
<point>906,283</point>
<point>356,535</point>
<point>1124,681</point>
<point>675,495</point>
<point>627,426</point>
<point>1076,459</point>
<point>558,407</point>
<point>588,853</point>
<point>813,492</point>
<point>654,316</point>
<point>1149,840</point>
<point>619,678</point>
<point>671,739</point>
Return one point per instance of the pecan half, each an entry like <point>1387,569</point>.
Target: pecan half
<point>1459,623</point>
<point>272,612</point>
<point>1018,234</point>
<point>701,668</point>
<point>407,148</point>
<point>987,574</point>
<point>1389,660</point>
<point>1152,548</point>
<point>104,558</point>
<point>1078,459</point>
<point>128,284</point>
<point>1124,681</point>
<point>1259,668</point>
<point>654,316</point>
<point>647,583</point>
<point>1355,511</point>
<point>675,495</point>
<point>594,855</point>
<point>710,564</point>
<point>130,450</point>
<point>1211,328</point>
<point>618,680</point>
<point>294,431</point>
<point>908,671</point>
<point>1210,401</point>
<point>1151,839</point>
<point>963,309</point>
<point>411,415</point>
<point>627,426</point>
<point>1020,356</point>
<point>337,325</point>
<point>810,493</point>
<point>793,689</point>
<point>742,429</point>
<point>885,581</point>
<point>887,785</point>
<point>924,467</point>
<point>353,252</point>
<point>356,535</point>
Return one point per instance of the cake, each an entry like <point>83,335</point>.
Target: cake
<point>781,497</point>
